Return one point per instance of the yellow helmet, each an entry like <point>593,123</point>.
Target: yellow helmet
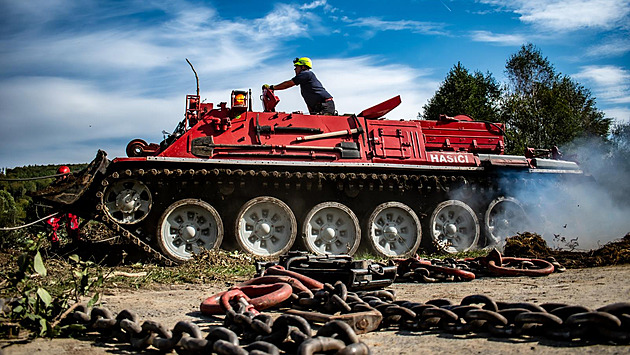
<point>303,61</point>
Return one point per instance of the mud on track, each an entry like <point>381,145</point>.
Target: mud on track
<point>592,287</point>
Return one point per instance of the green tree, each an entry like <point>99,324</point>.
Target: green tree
<point>8,218</point>
<point>542,108</point>
<point>8,209</point>
<point>476,95</point>
<point>620,138</point>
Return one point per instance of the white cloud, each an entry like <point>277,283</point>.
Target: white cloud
<point>611,83</point>
<point>359,83</point>
<point>560,15</point>
<point>110,49</point>
<point>315,4</point>
<point>498,38</point>
<point>377,24</point>
<point>54,120</point>
<point>620,114</point>
<point>67,128</point>
<point>610,48</point>
<point>355,83</point>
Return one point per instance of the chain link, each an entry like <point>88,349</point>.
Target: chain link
<point>243,332</point>
<point>480,315</point>
<point>494,264</point>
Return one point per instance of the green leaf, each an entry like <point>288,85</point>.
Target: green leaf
<point>93,300</point>
<point>75,258</point>
<point>44,325</point>
<point>44,296</point>
<point>38,265</point>
<point>18,309</point>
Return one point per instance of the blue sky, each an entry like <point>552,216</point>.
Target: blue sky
<point>77,76</point>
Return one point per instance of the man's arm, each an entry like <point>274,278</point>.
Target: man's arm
<point>284,85</point>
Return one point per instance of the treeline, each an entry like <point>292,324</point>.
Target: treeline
<point>540,106</point>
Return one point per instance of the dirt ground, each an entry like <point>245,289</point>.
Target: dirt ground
<point>592,287</point>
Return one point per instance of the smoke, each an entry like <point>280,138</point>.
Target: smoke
<point>582,213</point>
<point>573,211</point>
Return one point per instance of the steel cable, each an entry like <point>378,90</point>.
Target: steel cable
<point>29,224</point>
<point>37,177</point>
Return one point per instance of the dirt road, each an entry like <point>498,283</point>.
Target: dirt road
<point>593,288</point>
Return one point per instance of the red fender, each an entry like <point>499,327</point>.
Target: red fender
<point>260,297</point>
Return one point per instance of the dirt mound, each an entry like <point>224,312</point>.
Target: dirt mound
<point>531,245</point>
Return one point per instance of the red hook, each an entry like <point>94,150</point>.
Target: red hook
<point>272,279</point>
<point>312,284</point>
<point>258,297</point>
<point>495,263</point>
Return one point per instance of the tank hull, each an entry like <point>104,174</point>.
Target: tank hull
<point>268,182</point>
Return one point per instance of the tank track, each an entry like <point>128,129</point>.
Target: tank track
<point>122,230</point>
<point>351,182</point>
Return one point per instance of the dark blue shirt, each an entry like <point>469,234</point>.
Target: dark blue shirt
<point>312,89</point>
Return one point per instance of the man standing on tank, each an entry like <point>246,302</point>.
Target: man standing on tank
<point>318,100</point>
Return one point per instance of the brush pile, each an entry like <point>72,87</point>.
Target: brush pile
<point>531,245</point>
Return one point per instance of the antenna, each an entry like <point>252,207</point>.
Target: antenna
<point>196,77</point>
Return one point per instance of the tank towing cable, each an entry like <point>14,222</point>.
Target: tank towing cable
<point>28,224</point>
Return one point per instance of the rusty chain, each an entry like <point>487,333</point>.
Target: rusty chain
<point>480,315</point>
<point>244,333</point>
<point>494,264</point>
<point>342,316</point>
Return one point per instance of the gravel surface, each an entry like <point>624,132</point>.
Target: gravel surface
<point>593,288</point>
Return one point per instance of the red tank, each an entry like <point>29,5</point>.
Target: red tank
<point>267,182</point>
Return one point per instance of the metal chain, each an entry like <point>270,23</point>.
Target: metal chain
<point>291,334</point>
<point>343,315</point>
<point>494,264</point>
<point>480,315</point>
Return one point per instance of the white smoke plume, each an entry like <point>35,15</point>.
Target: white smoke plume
<point>586,213</point>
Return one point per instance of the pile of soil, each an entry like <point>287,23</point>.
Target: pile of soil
<point>531,245</point>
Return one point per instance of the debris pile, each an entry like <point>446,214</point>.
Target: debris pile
<point>532,245</point>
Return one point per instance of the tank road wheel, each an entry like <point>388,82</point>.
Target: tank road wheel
<point>454,227</point>
<point>505,217</point>
<point>188,226</point>
<point>394,230</point>
<point>331,228</point>
<point>127,201</point>
<point>265,226</point>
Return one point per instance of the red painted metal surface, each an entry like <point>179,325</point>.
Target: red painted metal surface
<point>381,109</point>
<point>210,132</point>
